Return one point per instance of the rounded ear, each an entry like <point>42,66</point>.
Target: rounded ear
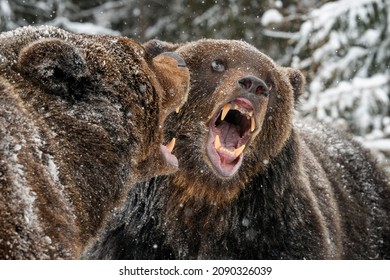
<point>175,56</point>
<point>174,77</point>
<point>297,81</point>
<point>155,47</point>
<point>55,65</point>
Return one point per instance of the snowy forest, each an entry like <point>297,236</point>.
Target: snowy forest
<point>342,47</point>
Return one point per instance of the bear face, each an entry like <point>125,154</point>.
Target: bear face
<point>62,70</point>
<point>242,116</point>
<point>268,188</point>
<point>81,122</point>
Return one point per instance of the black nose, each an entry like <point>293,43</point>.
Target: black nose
<point>254,85</point>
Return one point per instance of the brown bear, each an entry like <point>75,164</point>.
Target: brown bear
<point>253,183</point>
<point>81,120</point>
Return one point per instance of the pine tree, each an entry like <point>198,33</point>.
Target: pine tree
<point>344,49</point>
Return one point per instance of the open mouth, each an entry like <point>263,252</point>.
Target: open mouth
<point>166,151</point>
<point>230,130</point>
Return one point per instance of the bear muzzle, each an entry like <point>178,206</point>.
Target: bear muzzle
<point>229,131</point>
<point>235,123</point>
<point>254,85</point>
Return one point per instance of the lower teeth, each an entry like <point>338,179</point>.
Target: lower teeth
<point>218,146</point>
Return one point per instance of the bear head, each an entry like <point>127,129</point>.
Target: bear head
<point>237,118</point>
<point>81,71</point>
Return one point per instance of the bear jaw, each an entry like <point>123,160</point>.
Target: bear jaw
<point>230,130</point>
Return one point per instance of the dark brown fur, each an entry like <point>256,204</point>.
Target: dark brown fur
<point>80,122</point>
<point>303,191</point>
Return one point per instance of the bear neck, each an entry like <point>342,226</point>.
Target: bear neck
<point>93,167</point>
<point>210,224</point>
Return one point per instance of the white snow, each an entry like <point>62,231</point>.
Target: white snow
<point>22,194</point>
<point>85,28</point>
<point>359,96</point>
<point>370,38</point>
<point>5,8</point>
<point>271,16</point>
<point>52,169</point>
<point>343,51</point>
<point>333,10</point>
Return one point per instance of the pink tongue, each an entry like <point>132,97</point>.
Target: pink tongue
<point>228,135</point>
<point>229,140</point>
<point>168,157</point>
<point>225,159</point>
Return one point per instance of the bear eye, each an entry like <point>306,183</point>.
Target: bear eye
<point>218,66</point>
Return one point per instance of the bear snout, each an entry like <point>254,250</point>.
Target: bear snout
<point>254,86</point>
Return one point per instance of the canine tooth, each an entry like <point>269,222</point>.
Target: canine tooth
<point>171,145</point>
<point>177,110</point>
<point>225,110</point>
<point>253,123</point>
<point>217,142</point>
<point>238,151</point>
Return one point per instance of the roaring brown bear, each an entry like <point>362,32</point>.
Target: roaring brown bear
<point>81,120</point>
<point>252,183</point>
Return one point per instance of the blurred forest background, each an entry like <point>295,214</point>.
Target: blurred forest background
<point>343,47</point>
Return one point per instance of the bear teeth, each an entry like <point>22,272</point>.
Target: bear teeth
<point>171,145</point>
<point>225,110</point>
<point>239,151</point>
<point>217,142</point>
<point>218,146</point>
<point>253,123</point>
<point>229,106</point>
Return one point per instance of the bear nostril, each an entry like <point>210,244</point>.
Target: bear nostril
<point>254,85</point>
<point>245,83</point>
<point>262,89</point>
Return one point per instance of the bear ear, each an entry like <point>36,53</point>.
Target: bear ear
<point>297,81</point>
<point>155,47</point>
<point>174,77</point>
<point>56,66</point>
<point>179,59</point>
